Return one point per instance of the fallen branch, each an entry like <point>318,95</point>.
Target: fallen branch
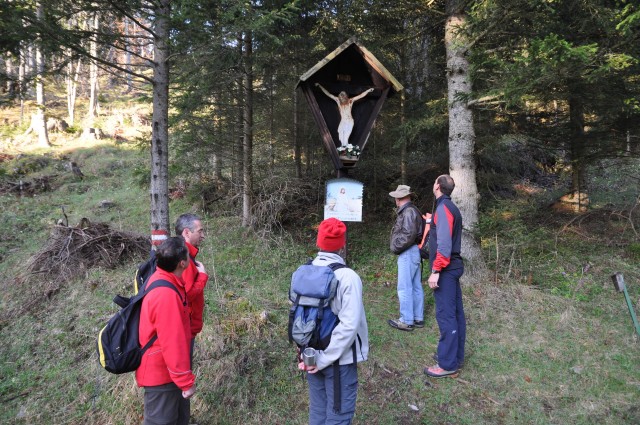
<point>68,253</point>
<point>26,393</point>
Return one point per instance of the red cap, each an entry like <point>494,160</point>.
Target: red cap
<point>331,235</point>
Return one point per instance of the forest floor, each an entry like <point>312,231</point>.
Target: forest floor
<point>549,340</point>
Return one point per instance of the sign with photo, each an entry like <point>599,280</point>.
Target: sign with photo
<point>343,200</point>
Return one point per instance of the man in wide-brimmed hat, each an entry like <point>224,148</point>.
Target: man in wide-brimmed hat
<point>405,236</point>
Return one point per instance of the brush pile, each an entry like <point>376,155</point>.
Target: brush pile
<point>70,251</point>
<point>28,187</point>
<point>68,254</point>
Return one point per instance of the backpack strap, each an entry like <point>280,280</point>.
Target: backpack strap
<point>165,284</point>
<point>333,267</point>
<point>336,266</point>
<point>292,313</point>
<point>337,394</point>
<point>138,280</point>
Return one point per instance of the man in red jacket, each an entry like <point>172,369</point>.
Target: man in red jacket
<point>189,227</point>
<point>165,369</point>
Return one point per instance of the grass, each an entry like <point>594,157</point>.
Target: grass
<point>549,340</point>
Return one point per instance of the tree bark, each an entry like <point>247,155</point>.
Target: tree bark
<point>297,151</point>
<point>576,121</point>
<point>272,132</point>
<point>247,146</point>
<point>462,134</point>
<point>403,145</point>
<point>72,88</point>
<point>128,56</point>
<point>43,136</point>
<point>216,165</point>
<point>21,79</point>
<point>160,127</point>
<point>10,69</point>
<point>31,61</point>
<point>238,167</point>
<point>93,69</point>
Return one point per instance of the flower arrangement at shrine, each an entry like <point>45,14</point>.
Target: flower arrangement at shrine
<point>350,151</point>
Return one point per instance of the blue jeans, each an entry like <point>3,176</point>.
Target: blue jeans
<point>410,292</point>
<point>450,318</point>
<point>321,395</point>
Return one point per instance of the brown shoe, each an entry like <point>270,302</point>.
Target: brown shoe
<point>435,357</point>
<point>400,325</point>
<point>438,372</point>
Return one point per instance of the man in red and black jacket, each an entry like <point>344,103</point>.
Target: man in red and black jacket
<point>189,227</point>
<point>445,239</point>
<point>165,369</point>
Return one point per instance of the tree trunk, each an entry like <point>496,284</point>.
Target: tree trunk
<point>310,157</point>
<point>272,132</point>
<point>21,78</point>
<point>10,70</point>
<point>216,165</point>
<point>43,136</point>
<point>30,61</point>
<point>297,151</point>
<point>247,146</point>
<point>403,145</point>
<point>160,126</point>
<point>237,170</point>
<point>93,69</point>
<point>462,135</point>
<point>128,56</point>
<point>576,121</point>
<point>72,88</point>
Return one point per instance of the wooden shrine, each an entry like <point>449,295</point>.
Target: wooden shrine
<point>351,69</point>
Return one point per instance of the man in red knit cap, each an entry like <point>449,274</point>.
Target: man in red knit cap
<point>349,343</point>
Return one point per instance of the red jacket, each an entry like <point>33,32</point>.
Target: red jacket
<point>169,358</point>
<point>194,283</point>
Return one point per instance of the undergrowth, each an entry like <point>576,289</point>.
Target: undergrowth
<point>549,340</point>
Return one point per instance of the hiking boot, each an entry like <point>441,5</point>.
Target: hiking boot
<point>438,372</point>
<point>435,358</point>
<point>400,325</point>
<point>418,323</point>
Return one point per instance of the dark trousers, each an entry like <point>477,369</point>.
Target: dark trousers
<point>321,397</point>
<point>164,405</point>
<point>450,318</point>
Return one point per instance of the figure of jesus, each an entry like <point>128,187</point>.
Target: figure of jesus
<point>344,106</point>
<point>342,201</point>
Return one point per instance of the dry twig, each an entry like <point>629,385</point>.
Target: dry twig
<point>70,251</point>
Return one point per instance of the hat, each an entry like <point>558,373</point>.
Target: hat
<point>331,235</point>
<point>401,192</point>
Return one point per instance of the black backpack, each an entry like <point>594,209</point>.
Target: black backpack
<point>118,348</point>
<point>146,269</point>
<point>144,272</point>
<point>424,236</point>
